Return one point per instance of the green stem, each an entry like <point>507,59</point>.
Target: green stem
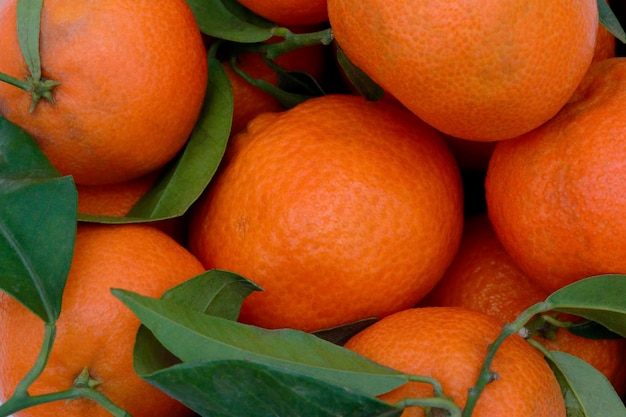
<point>16,82</point>
<point>486,375</point>
<point>296,41</point>
<point>440,403</point>
<point>21,402</point>
<point>40,363</point>
<point>437,388</point>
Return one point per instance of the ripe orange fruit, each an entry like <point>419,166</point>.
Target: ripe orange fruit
<point>475,70</point>
<point>117,199</point>
<point>485,278</point>
<point>340,208</point>
<point>605,44</point>
<point>556,194</point>
<point>94,329</point>
<point>133,78</point>
<point>450,344</point>
<point>289,12</point>
<point>251,101</point>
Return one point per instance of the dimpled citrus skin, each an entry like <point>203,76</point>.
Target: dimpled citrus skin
<point>474,69</point>
<point>450,344</point>
<point>556,197</point>
<point>484,277</point>
<point>95,330</point>
<point>133,77</point>
<point>340,208</point>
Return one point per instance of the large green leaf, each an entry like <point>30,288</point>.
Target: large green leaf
<point>194,336</point>
<point>227,19</point>
<point>37,224</point>
<point>586,391</point>
<point>240,388</point>
<point>190,173</point>
<point>216,292</point>
<point>600,298</point>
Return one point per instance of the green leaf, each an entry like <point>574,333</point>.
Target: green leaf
<point>586,391</point>
<point>592,330</point>
<point>227,19</point>
<point>193,336</point>
<point>599,298</point>
<point>214,292</point>
<point>190,173</point>
<point>609,21</point>
<point>359,79</point>
<point>240,388</point>
<point>37,224</point>
<point>341,334</point>
<point>28,29</point>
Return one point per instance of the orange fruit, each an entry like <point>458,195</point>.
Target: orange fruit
<point>94,329</point>
<point>117,199</point>
<point>485,278</point>
<point>450,344</point>
<point>605,44</point>
<point>250,101</point>
<point>289,12</point>
<point>133,78</point>
<point>555,195</point>
<point>340,208</point>
<point>475,70</point>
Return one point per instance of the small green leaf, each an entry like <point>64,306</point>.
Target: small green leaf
<point>226,19</point>
<point>609,21</point>
<point>189,174</point>
<point>215,292</point>
<point>240,388</point>
<point>592,330</point>
<point>37,224</point>
<point>28,28</point>
<point>599,298</point>
<point>586,391</point>
<point>193,336</point>
<point>359,79</point>
<point>341,334</point>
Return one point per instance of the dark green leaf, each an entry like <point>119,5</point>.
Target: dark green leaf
<point>341,334</point>
<point>608,19</point>
<point>37,224</point>
<point>226,19</point>
<point>190,173</point>
<point>28,29</point>
<point>360,80</point>
<point>599,298</point>
<point>239,388</point>
<point>592,330</point>
<point>586,391</point>
<point>215,292</point>
<point>194,336</point>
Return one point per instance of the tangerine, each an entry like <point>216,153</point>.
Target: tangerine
<point>133,77</point>
<point>450,345</point>
<point>484,277</point>
<point>94,329</point>
<point>475,70</point>
<point>555,195</point>
<point>340,208</point>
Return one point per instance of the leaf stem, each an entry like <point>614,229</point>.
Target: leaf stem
<point>295,41</point>
<point>16,82</point>
<point>433,402</point>
<point>486,375</point>
<point>48,340</point>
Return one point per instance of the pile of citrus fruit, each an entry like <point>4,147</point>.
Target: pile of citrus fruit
<point>363,208</point>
